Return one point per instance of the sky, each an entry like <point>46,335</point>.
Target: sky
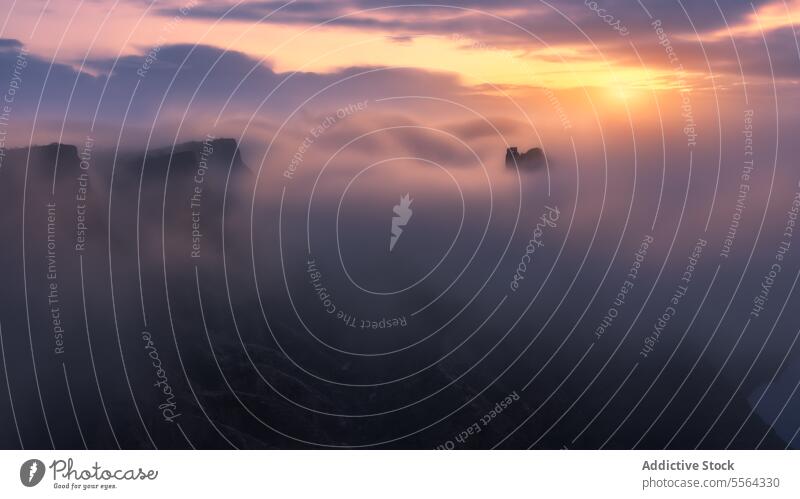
<point>86,56</point>
<point>516,43</point>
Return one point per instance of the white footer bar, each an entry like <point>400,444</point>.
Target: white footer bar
<point>399,474</point>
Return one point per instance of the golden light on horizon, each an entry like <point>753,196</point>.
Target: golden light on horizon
<point>766,18</point>
<point>326,49</point>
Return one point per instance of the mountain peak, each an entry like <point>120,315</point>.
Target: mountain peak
<point>533,158</point>
<point>67,151</point>
<point>221,150</point>
<point>65,154</point>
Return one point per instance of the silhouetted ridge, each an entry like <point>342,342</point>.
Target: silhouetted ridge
<point>48,150</point>
<point>224,151</point>
<point>534,158</point>
<point>65,152</point>
<point>43,158</point>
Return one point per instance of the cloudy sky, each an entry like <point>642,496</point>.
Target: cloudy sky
<point>610,43</point>
<point>225,61</point>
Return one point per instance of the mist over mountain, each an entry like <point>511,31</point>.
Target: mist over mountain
<point>174,255</point>
<point>354,224</point>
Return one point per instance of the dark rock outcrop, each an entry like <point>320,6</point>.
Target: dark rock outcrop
<point>534,158</point>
